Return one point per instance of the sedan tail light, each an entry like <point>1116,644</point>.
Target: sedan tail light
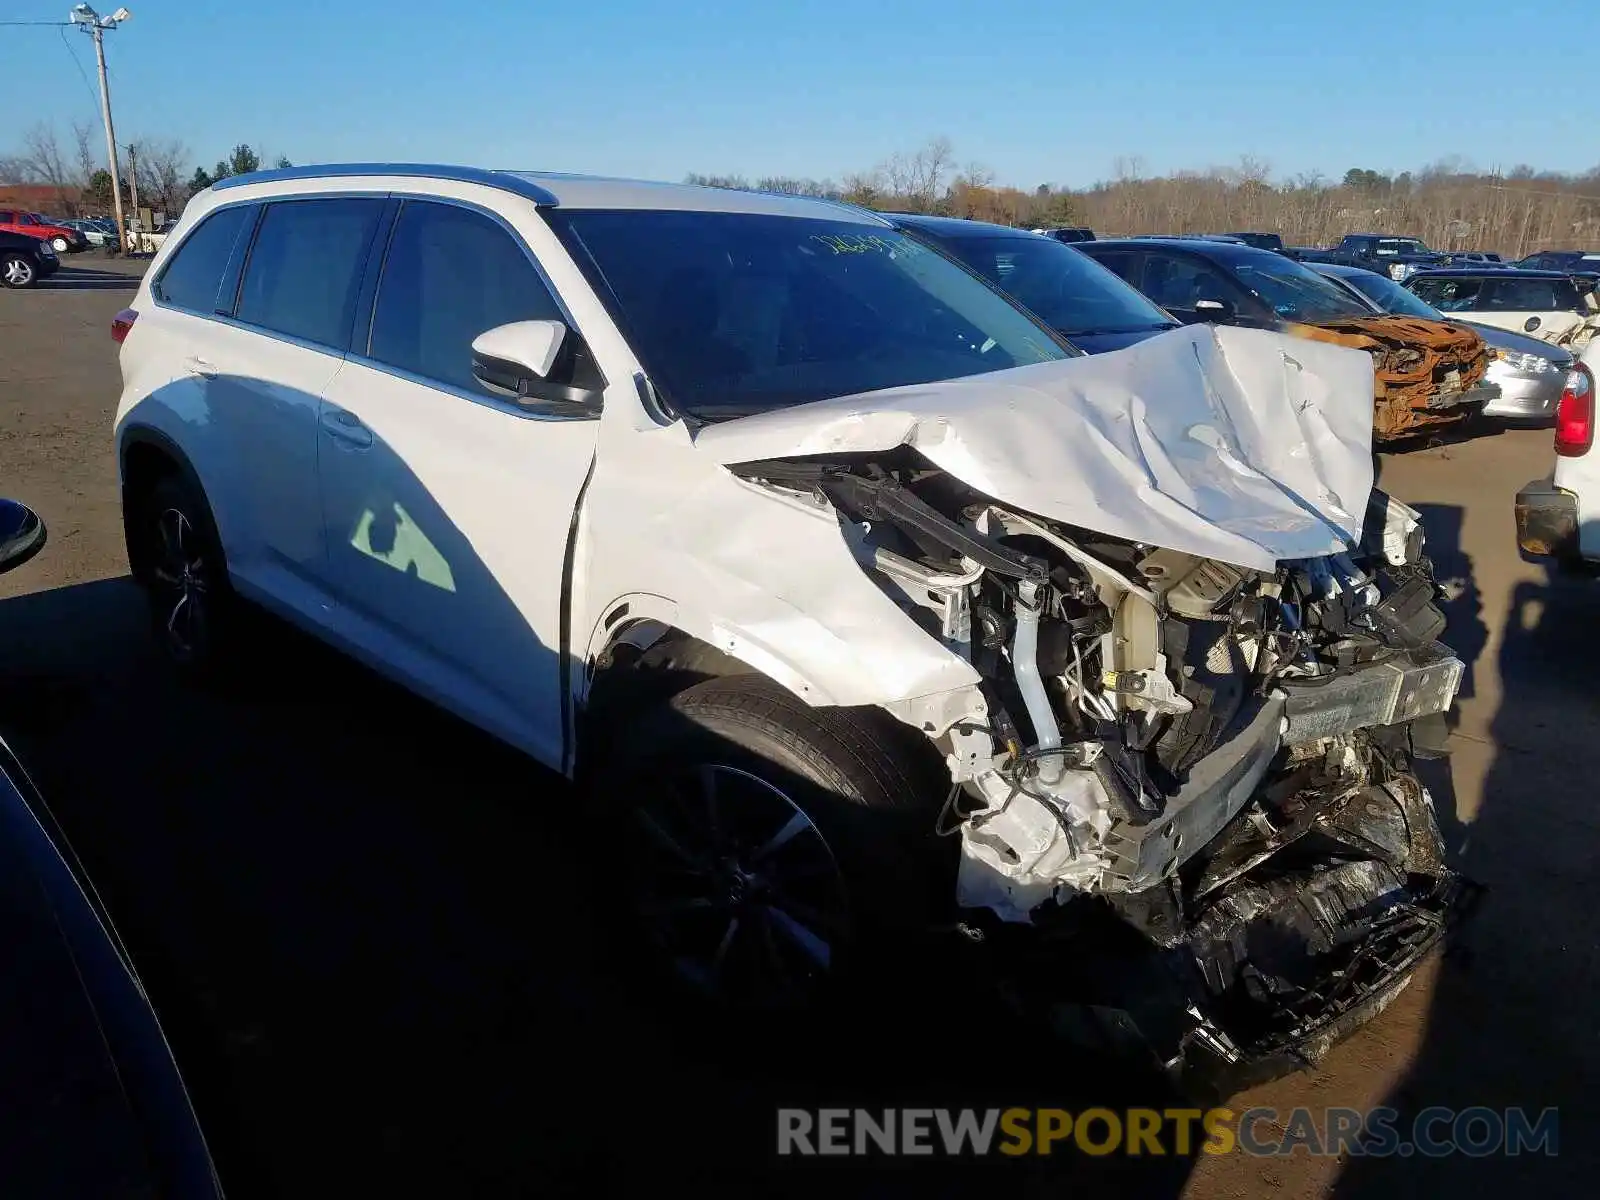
<point>121,323</point>
<point>1575,414</point>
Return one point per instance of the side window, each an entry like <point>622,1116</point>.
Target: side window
<point>1120,262</point>
<point>1178,281</point>
<point>305,268</point>
<point>450,275</point>
<point>1519,295</point>
<point>191,277</point>
<point>1449,295</point>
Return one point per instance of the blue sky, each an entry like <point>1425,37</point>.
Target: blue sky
<point>1035,91</point>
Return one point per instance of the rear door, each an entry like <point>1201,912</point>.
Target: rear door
<point>287,329</point>
<point>447,509</point>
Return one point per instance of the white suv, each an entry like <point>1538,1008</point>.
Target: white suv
<point>1559,516</point>
<point>800,546</point>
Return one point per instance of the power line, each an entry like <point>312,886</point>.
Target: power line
<point>39,24</point>
<point>73,54</point>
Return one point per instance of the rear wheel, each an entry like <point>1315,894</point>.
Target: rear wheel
<point>179,560</point>
<point>773,847</point>
<point>17,270</point>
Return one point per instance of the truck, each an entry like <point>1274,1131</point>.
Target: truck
<point>1397,257</point>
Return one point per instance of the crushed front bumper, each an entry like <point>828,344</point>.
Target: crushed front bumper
<point>1302,931</point>
<point>1547,521</point>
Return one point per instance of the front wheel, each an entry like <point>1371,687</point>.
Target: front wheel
<point>17,271</point>
<point>772,846</point>
<point>60,244</point>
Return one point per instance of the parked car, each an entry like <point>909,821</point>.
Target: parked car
<point>1474,258</point>
<point>1261,241</point>
<point>1529,374</point>
<point>1077,297</point>
<point>1397,257</point>
<point>1566,261</point>
<point>61,239</point>
<point>768,523</point>
<point>1558,517</point>
<point>1428,374</point>
<point>97,233</point>
<point>1070,233</point>
<point>1546,304</point>
<point>25,260</point>
<point>93,1103</point>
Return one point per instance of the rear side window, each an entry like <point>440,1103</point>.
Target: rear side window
<point>304,272</point>
<point>191,279</point>
<point>450,275</point>
<point>1528,295</point>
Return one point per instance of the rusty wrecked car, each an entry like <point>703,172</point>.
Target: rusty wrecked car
<point>1427,374</point>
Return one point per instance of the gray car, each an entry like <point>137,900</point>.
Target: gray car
<point>1529,372</point>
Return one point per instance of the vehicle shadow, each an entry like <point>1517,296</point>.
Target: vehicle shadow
<point>384,945</point>
<point>88,279</point>
<point>1530,949</point>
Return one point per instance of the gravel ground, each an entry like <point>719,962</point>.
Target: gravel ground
<point>380,960</point>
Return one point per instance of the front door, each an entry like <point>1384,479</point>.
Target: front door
<point>447,509</point>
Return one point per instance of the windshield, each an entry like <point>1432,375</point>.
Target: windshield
<point>1070,291</point>
<point>1391,297</point>
<point>733,313</point>
<point>1401,246</point>
<point>1295,292</point>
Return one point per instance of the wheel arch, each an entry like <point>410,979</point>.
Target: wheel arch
<point>145,455</point>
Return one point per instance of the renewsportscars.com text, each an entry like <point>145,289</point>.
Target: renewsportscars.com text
<point>1377,1132</point>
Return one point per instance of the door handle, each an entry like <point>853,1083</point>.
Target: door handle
<point>346,427</point>
<point>196,365</point>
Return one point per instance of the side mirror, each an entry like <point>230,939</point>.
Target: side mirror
<point>1214,310</point>
<point>22,534</point>
<point>529,362</point>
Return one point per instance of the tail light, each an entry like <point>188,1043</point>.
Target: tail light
<point>121,323</point>
<point>1575,414</point>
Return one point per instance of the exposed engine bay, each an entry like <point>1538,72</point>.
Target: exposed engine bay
<point>1218,757</point>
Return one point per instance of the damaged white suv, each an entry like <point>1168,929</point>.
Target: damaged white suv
<point>802,547</point>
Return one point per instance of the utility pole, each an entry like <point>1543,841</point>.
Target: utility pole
<point>96,25</point>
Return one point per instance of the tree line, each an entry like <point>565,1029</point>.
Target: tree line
<point>1449,204</point>
<point>159,169</point>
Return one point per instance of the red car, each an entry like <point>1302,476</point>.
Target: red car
<point>33,225</point>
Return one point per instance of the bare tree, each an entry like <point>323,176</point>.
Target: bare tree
<point>85,156</point>
<point>163,167</point>
<point>43,162</point>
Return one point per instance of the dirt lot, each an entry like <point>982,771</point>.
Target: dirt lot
<point>373,933</point>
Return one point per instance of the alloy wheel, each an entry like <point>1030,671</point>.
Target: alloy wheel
<point>182,583</point>
<point>18,272</point>
<point>61,245</point>
<point>740,890</point>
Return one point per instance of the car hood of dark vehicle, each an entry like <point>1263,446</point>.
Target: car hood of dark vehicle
<point>1242,445</point>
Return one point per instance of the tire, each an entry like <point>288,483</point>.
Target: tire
<point>775,847</point>
<point>60,244</point>
<point>17,270</point>
<point>178,558</point>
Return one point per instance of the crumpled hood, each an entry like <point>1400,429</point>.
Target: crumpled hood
<point>1235,444</point>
